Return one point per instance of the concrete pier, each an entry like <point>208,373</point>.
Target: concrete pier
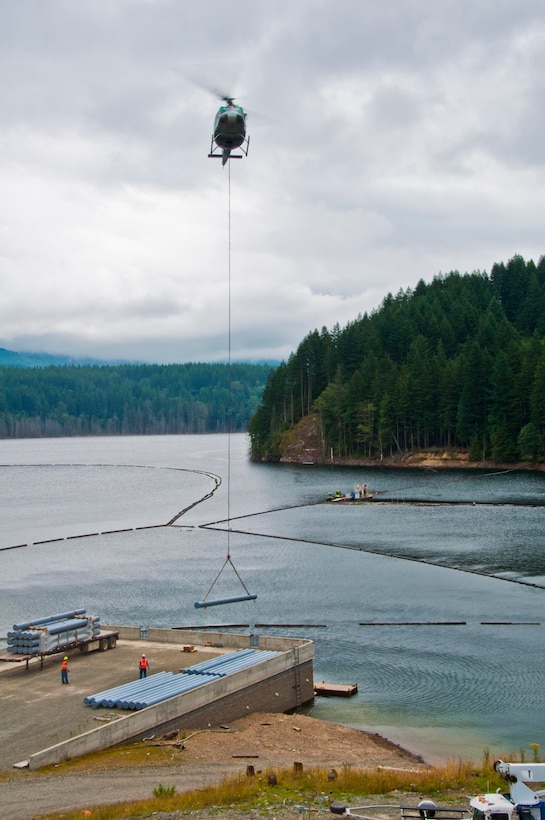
<point>279,684</point>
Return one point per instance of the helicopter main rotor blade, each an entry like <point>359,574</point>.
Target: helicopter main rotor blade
<point>209,88</point>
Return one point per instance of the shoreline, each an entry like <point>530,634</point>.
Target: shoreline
<point>418,461</point>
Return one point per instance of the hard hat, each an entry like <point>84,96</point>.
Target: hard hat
<point>65,658</point>
<point>143,656</point>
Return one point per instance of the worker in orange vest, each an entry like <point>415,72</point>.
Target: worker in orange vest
<point>64,670</point>
<point>144,666</point>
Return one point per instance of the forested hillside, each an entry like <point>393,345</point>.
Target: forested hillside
<point>457,363</point>
<point>128,399</point>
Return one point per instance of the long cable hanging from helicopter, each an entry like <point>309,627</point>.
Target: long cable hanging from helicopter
<point>229,134</point>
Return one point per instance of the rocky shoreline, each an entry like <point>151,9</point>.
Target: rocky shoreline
<point>425,460</point>
<point>303,445</point>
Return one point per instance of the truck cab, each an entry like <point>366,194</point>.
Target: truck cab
<point>521,803</point>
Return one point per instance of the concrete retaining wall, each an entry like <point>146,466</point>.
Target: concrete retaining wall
<point>207,637</point>
<point>278,684</point>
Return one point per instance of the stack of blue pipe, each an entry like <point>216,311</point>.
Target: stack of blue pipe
<point>225,664</point>
<point>139,694</point>
<point>52,633</point>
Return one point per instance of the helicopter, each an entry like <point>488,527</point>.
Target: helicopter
<point>229,132</point>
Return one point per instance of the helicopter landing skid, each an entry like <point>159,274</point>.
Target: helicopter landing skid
<point>216,152</point>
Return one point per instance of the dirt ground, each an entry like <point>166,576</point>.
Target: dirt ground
<point>275,740</point>
<point>203,758</point>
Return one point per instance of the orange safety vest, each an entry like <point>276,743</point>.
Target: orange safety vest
<point>64,666</point>
<point>143,663</point>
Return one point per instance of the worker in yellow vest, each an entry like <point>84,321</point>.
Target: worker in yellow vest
<point>64,670</point>
<point>144,666</point>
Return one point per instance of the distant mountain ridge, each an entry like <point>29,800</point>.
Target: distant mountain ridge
<point>13,358</point>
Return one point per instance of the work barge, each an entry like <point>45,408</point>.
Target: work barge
<point>278,677</point>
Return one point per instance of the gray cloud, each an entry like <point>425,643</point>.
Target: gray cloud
<point>389,143</point>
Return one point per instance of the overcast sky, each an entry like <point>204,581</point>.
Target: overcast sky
<point>390,142</point>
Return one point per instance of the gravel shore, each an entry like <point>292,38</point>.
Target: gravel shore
<point>196,760</point>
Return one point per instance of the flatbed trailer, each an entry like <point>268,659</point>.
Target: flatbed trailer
<point>100,642</point>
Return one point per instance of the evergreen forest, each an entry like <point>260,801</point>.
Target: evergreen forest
<point>458,363</point>
<point>93,400</point>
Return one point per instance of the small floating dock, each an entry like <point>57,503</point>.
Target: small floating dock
<point>359,493</point>
<point>337,690</point>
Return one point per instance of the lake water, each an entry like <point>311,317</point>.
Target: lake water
<point>470,571</point>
